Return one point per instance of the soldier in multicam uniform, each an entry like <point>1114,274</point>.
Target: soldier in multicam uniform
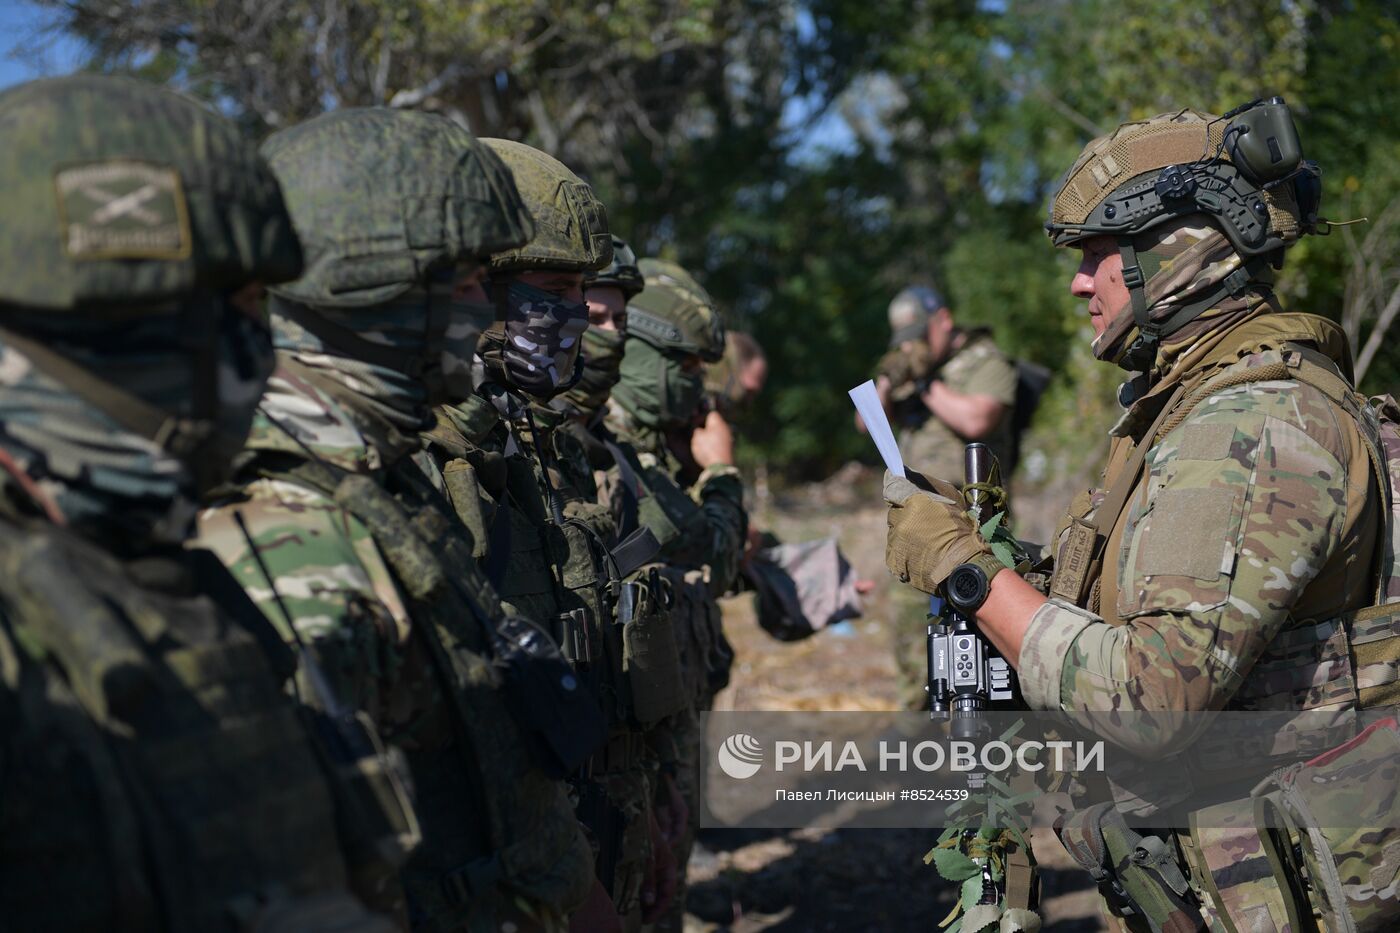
<point>673,329</point>
<point>943,387</point>
<point>1237,520</point>
<point>493,452</point>
<point>399,213</point>
<point>155,774</point>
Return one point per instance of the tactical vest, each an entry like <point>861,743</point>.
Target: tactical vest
<point>492,823</point>
<point>550,562</point>
<point>1320,653</point>
<point>1248,875</point>
<point>156,777</point>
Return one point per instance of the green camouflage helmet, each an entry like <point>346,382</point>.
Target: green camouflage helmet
<point>571,225</point>
<point>622,272</point>
<point>676,313</point>
<point>117,191</point>
<point>381,197</point>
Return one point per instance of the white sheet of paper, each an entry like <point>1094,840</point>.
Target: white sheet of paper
<point>867,402</point>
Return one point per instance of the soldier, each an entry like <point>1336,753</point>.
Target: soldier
<point>1237,519</point>
<point>494,452</point>
<point>156,775</point>
<point>365,561</point>
<point>943,387</point>
<point>673,329</point>
<point>648,691</point>
<point>739,377</point>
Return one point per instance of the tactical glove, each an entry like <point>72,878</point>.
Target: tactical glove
<point>930,531</point>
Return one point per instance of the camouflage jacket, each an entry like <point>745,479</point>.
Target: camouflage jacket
<point>1251,528</point>
<point>410,653</point>
<point>492,474</point>
<point>703,526</point>
<point>155,775</point>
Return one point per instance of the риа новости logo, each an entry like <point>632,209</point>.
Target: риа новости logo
<point>740,756</point>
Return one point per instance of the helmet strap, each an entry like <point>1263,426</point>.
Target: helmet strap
<point>500,296</point>
<point>345,341</point>
<point>1142,352</point>
<point>435,324</point>
<point>200,336</point>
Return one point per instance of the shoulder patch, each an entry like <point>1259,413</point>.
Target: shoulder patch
<point>1192,533</point>
<point>122,209</point>
<point>1205,441</point>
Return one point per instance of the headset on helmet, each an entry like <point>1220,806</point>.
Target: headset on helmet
<point>1243,170</point>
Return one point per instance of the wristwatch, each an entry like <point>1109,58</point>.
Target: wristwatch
<point>969,583</point>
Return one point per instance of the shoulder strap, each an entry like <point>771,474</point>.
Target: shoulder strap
<point>134,414</point>
<point>631,488</point>
<point>1106,516</point>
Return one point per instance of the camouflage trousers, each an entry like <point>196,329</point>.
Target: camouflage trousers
<point>684,736</point>
<point>630,795</point>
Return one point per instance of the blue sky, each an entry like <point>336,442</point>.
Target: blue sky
<point>21,57</point>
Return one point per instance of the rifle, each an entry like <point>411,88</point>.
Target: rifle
<point>967,676</point>
<point>966,673</point>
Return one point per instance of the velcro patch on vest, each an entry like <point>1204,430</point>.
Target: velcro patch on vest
<point>1206,441</point>
<point>1074,561</point>
<point>1191,533</point>
<point>123,209</point>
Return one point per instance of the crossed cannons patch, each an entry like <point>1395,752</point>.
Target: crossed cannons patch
<point>123,210</point>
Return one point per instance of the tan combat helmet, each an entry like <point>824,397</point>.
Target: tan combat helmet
<point>1243,172</point>
<point>571,224</point>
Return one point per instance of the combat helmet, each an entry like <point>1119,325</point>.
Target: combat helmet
<point>675,313</point>
<point>128,202</point>
<point>622,272</point>
<point>382,197</point>
<point>120,193</point>
<point>571,224</point>
<point>1243,171</point>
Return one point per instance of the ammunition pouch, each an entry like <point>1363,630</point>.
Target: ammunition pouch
<point>1325,841</point>
<point>651,656</point>
<point>704,652</point>
<point>1138,875</point>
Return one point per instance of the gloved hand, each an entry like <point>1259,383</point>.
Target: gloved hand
<point>930,530</point>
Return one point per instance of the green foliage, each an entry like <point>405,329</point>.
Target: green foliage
<point>808,159</point>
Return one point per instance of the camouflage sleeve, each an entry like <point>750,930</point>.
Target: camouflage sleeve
<point>1244,504</point>
<point>720,492</point>
<point>329,576</point>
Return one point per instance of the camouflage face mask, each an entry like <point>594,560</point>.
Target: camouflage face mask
<point>1180,264</point>
<point>107,481</point>
<point>655,387</point>
<point>602,368</point>
<point>541,346</point>
<point>396,360</point>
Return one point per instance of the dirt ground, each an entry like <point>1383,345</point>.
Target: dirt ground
<point>838,880</point>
